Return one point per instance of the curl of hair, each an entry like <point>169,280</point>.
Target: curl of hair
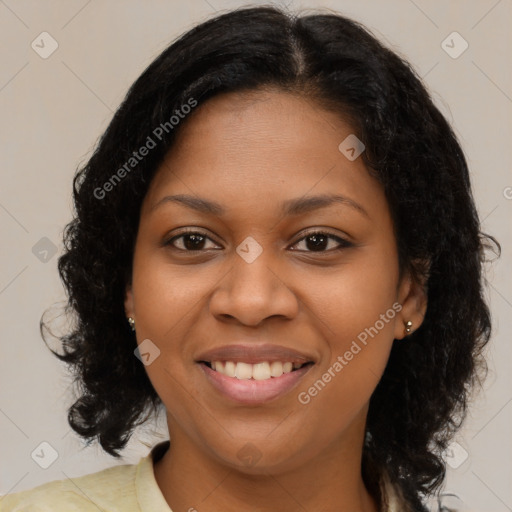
<point>411,150</point>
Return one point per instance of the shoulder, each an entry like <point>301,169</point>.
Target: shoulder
<point>110,489</point>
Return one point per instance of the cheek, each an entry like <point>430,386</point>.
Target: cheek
<point>354,298</point>
<point>165,295</point>
<point>357,308</point>
<point>164,302</point>
<point>164,307</point>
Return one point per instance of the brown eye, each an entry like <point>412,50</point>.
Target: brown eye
<point>319,241</point>
<point>189,241</point>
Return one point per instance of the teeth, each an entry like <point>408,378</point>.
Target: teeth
<point>230,369</point>
<point>276,369</point>
<point>261,371</point>
<point>258,371</point>
<point>242,371</point>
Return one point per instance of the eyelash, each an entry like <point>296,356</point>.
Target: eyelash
<point>343,243</point>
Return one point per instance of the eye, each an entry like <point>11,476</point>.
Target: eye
<point>191,240</point>
<point>318,241</point>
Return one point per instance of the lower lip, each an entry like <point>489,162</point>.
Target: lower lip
<point>254,392</point>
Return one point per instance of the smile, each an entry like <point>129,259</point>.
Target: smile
<point>259,371</point>
<point>254,384</point>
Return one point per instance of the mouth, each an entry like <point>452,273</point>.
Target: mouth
<point>260,371</point>
<point>253,384</point>
<point>254,373</point>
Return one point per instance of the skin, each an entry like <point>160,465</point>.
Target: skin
<point>250,152</point>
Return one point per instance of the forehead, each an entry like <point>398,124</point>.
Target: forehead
<point>269,116</point>
<point>260,145</point>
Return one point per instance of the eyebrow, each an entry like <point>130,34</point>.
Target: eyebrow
<point>290,207</point>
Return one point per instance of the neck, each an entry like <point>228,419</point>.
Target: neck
<point>192,479</point>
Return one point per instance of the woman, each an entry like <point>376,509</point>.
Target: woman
<point>276,241</point>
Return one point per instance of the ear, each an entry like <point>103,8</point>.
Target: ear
<point>128,302</point>
<point>412,295</point>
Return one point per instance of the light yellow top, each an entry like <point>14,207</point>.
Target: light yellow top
<point>124,488</point>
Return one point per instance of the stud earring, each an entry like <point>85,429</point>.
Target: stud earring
<point>408,326</point>
<point>131,321</point>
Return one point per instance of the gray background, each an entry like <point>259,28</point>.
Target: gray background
<point>54,109</point>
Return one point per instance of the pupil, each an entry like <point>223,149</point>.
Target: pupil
<point>319,241</point>
<point>196,241</point>
<point>314,242</point>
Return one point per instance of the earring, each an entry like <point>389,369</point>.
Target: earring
<point>408,326</point>
<point>131,321</point>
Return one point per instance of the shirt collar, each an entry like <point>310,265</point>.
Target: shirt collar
<point>149,495</point>
<point>151,499</point>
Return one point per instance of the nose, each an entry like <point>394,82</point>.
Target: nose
<point>252,292</point>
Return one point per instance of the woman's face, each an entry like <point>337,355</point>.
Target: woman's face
<point>254,282</point>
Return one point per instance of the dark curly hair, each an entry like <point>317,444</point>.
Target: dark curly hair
<point>411,150</point>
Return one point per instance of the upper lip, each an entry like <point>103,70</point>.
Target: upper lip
<point>254,353</point>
